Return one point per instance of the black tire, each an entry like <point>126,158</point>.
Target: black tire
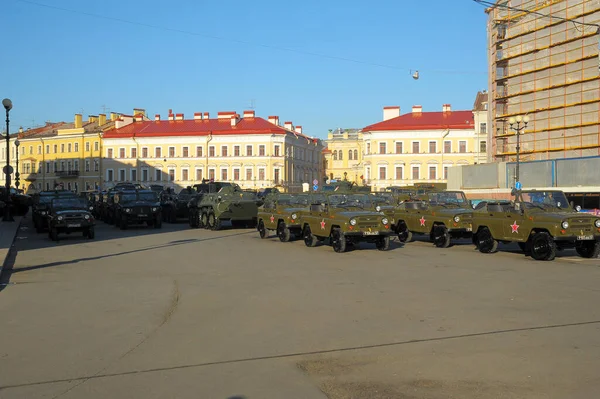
<point>441,237</point>
<point>214,223</point>
<point>204,220</point>
<point>283,232</point>
<point>173,217</point>
<point>54,234</point>
<point>486,242</point>
<point>338,240</point>
<point>123,223</point>
<point>309,239</point>
<point>262,232</point>
<point>91,233</point>
<point>543,246</point>
<point>158,222</point>
<point>588,249</point>
<point>383,243</point>
<point>404,235</point>
<point>194,220</point>
<point>39,227</point>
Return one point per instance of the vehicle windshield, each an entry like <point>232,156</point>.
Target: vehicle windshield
<point>382,198</point>
<point>448,198</point>
<point>350,200</point>
<point>292,199</point>
<point>186,193</point>
<point>545,199</point>
<point>68,203</point>
<point>131,197</point>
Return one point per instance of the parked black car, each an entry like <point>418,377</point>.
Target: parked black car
<point>176,206</point>
<point>40,208</point>
<point>68,215</point>
<point>137,206</point>
<point>20,202</point>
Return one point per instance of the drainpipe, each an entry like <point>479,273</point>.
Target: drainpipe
<point>100,160</point>
<point>137,157</point>
<point>208,140</point>
<point>43,165</point>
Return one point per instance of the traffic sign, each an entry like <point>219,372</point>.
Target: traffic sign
<point>518,185</point>
<point>315,187</point>
<point>10,169</point>
<point>315,182</point>
<point>333,181</point>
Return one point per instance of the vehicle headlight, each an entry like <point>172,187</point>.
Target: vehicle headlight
<point>457,219</point>
<point>60,218</point>
<point>294,216</point>
<point>128,210</point>
<point>43,212</point>
<point>597,223</point>
<point>378,208</point>
<point>565,225</point>
<point>86,216</point>
<point>154,209</point>
<point>384,221</point>
<point>353,222</point>
<point>91,208</point>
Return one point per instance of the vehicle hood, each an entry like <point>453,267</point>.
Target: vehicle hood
<point>294,209</point>
<point>71,210</point>
<point>139,203</point>
<point>350,214</point>
<point>450,211</point>
<point>558,216</point>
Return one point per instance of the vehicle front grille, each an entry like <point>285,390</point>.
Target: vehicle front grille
<point>143,209</point>
<point>74,216</point>
<point>368,221</point>
<point>579,223</point>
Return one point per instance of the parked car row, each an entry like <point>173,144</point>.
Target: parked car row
<point>62,212</point>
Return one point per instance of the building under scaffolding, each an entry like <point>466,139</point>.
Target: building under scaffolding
<point>544,62</point>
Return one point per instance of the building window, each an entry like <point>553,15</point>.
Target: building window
<point>121,174</point>
<point>432,173</point>
<point>415,173</point>
<point>198,151</point>
<point>96,165</point>
<point>276,151</point>
<point>76,163</point>
<point>109,153</point>
<point>482,128</point>
<point>55,148</point>
<point>62,165</point>
<point>47,167</point>
<point>350,155</point>
<point>39,149</point>
<point>399,172</point>
<point>109,175</point>
<point>134,153</point>
<point>198,174</point>
<point>236,151</point>
<point>248,150</point>
<point>482,146</point>
<point>236,175</point>
<point>261,174</point>
<point>133,173</point>
<point>96,146</point>
<point>335,155</point>
<point>69,147</point>
<point>76,147</point>
<point>382,172</point>
<point>211,174</point>
<point>47,148</point>
<point>446,172</point>
<point>62,148</point>
<point>121,152</point>
<point>87,146</point>
<point>157,152</point>
<point>158,175</point>
<point>171,174</point>
<point>211,151</point>
<point>415,148</point>
<point>144,174</point>
<point>171,152</point>
<point>368,151</point>
<point>248,174</point>
<point>276,175</point>
<point>185,174</point>
<point>261,150</point>
<point>462,147</point>
<point>223,150</point>
<point>185,152</point>
<point>224,174</point>
<point>432,147</point>
<point>382,148</point>
<point>341,155</point>
<point>144,152</point>
<point>87,166</point>
<point>399,147</point>
<point>447,147</point>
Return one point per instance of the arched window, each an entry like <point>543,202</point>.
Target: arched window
<point>334,155</point>
<point>341,155</point>
<point>356,155</point>
<point>350,155</point>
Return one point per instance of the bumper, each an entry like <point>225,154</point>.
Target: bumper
<point>72,226</point>
<point>461,232</point>
<point>575,239</point>
<point>366,234</point>
<point>140,218</point>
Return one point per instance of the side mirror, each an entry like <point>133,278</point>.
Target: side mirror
<point>578,208</point>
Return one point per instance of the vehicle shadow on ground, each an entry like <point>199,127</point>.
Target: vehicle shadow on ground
<point>394,243</point>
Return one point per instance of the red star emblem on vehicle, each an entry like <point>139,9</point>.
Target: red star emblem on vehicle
<point>422,220</point>
<point>272,218</point>
<point>323,224</point>
<point>515,227</point>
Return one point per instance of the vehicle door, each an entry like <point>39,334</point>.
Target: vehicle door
<point>317,214</point>
<point>513,222</point>
<point>419,217</point>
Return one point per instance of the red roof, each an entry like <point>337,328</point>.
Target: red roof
<point>426,121</point>
<point>196,127</point>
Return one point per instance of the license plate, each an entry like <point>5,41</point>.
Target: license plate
<point>74,225</point>
<point>469,229</point>
<point>581,238</point>
<point>371,233</point>
<point>142,215</point>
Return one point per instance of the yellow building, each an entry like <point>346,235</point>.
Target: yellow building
<point>419,147</point>
<point>343,155</point>
<point>178,152</point>
<point>62,154</point>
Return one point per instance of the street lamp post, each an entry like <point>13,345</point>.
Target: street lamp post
<point>17,175</point>
<point>517,124</point>
<point>7,104</point>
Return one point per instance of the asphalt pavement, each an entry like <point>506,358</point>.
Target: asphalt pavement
<point>182,313</point>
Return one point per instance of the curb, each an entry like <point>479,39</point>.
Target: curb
<point>11,248</point>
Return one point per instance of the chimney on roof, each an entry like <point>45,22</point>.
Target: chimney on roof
<point>206,116</point>
<point>92,118</point>
<point>298,129</point>
<point>114,116</point>
<point>21,129</point>
<point>101,119</point>
<point>288,125</point>
<point>274,120</point>
<point>234,120</point>
<point>225,114</point>
<point>417,109</point>
<point>157,117</point>
<point>446,108</point>
<point>78,121</point>
<point>391,112</point>
<point>171,116</point>
<point>178,117</point>
<point>137,111</point>
<point>197,116</point>
<point>249,114</point>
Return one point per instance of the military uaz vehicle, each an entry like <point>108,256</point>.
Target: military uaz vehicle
<point>280,212</point>
<point>229,203</point>
<point>540,222</point>
<point>69,214</point>
<point>345,219</point>
<point>442,215</point>
<point>41,206</point>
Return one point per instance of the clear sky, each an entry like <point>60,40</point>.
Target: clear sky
<point>320,64</point>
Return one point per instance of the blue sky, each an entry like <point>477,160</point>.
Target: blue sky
<point>210,56</point>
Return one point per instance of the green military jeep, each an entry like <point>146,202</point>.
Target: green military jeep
<point>540,222</point>
<point>442,215</point>
<point>345,219</point>
<point>280,212</point>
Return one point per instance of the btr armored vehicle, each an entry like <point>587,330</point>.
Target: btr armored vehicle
<point>136,207</point>
<point>280,212</point>
<point>344,219</point>
<point>194,209</point>
<point>443,215</point>
<point>41,207</point>
<point>69,214</point>
<point>229,203</point>
<point>541,222</point>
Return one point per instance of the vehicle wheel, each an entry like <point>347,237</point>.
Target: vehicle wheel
<point>262,232</point>
<point>404,235</point>
<point>123,222</point>
<point>441,237</point>
<point>309,239</point>
<point>193,220</point>
<point>214,222</point>
<point>54,234</point>
<point>485,242</point>
<point>338,241</point>
<point>158,222</point>
<point>543,247</point>
<point>91,233</point>
<point>39,227</point>
<point>204,220</point>
<point>588,249</point>
<point>383,243</point>
<point>525,246</point>
<point>173,216</point>
<point>283,232</point>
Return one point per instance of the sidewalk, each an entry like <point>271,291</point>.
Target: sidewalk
<point>8,232</point>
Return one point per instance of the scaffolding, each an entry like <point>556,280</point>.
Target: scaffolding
<point>548,68</point>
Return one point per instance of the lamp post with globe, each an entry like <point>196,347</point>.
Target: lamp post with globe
<point>518,123</point>
<point>7,104</point>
